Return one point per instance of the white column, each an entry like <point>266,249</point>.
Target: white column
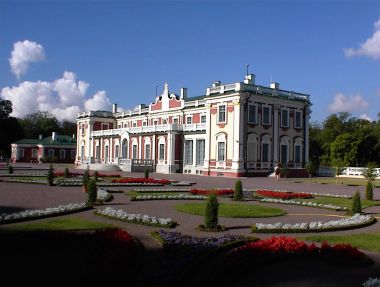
<point>275,134</point>
<point>88,141</point>
<point>154,148</point>
<point>307,118</point>
<point>171,151</point>
<point>140,147</point>
<point>237,137</point>
<point>110,146</point>
<point>206,163</point>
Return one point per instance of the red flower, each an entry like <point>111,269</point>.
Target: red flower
<point>140,180</point>
<point>210,191</point>
<point>283,194</point>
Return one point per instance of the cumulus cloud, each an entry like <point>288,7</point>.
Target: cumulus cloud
<point>23,54</point>
<point>64,97</point>
<point>365,117</point>
<point>370,48</point>
<point>342,103</point>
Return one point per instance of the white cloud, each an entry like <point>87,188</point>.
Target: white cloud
<point>23,54</point>
<point>370,48</point>
<point>342,103</point>
<point>365,117</point>
<point>64,97</point>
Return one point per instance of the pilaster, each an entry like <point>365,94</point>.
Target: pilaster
<point>275,134</point>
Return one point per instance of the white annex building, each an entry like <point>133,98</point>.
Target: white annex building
<point>237,129</point>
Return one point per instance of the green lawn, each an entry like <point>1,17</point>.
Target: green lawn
<point>367,241</point>
<point>232,210</point>
<point>344,202</point>
<point>332,180</point>
<point>62,223</point>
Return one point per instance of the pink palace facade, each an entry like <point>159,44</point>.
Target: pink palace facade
<point>236,129</point>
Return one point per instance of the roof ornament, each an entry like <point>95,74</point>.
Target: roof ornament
<point>166,90</point>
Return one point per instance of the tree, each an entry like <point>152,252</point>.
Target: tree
<point>369,190</point>
<point>5,109</point>
<point>211,215</point>
<point>10,131</point>
<point>356,203</point>
<point>50,175</point>
<point>66,173</point>
<point>38,123</point>
<point>146,173</point>
<point>86,179</point>
<point>311,168</point>
<point>370,172</point>
<point>238,194</point>
<point>92,191</point>
<point>338,172</point>
<point>67,128</point>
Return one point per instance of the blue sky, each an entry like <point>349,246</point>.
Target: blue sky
<point>74,55</point>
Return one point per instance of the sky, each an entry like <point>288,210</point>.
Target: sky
<point>66,57</point>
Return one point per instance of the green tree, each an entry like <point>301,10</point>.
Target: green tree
<point>96,175</point>
<point>91,192</point>
<point>212,209</point>
<point>10,169</point>
<point>369,190</point>
<point>66,173</point>
<point>238,193</point>
<point>311,168</point>
<point>86,179</point>
<point>370,172</point>
<point>5,109</point>
<point>146,173</point>
<point>356,203</point>
<point>338,172</point>
<point>50,175</point>
<point>40,123</point>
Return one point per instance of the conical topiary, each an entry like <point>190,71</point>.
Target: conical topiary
<point>356,203</point>
<point>96,175</point>
<point>86,178</point>
<point>66,173</point>
<point>10,169</point>
<point>146,173</point>
<point>211,215</point>
<point>369,190</point>
<point>238,194</point>
<point>50,175</point>
<point>91,192</point>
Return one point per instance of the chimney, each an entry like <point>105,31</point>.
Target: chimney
<point>183,95</point>
<point>114,108</point>
<point>40,137</point>
<point>275,86</point>
<point>249,79</point>
<point>53,136</point>
<point>216,84</point>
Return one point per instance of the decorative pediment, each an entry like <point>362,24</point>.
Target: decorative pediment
<point>166,101</point>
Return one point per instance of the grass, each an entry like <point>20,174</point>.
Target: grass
<point>232,210</point>
<point>366,241</point>
<point>61,223</point>
<point>344,202</point>
<point>133,193</point>
<point>332,180</point>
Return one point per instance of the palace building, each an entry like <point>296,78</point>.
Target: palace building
<point>236,129</point>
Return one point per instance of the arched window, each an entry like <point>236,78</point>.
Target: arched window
<point>265,149</point>
<point>284,150</point>
<point>147,148</point>
<point>134,154</point>
<point>298,152</point>
<point>124,152</point>
<point>221,148</point>
<point>161,148</point>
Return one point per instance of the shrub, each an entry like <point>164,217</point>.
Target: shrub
<point>50,175</point>
<point>238,194</point>
<point>369,190</point>
<point>146,173</point>
<point>66,173</point>
<point>96,175</point>
<point>91,192</point>
<point>211,215</point>
<point>86,178</point>
<point>356,203</point>
<point>10,169</point>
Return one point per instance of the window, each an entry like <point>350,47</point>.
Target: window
<point>82,152</point>
<point>116,150</point>
<point>297,154</point>
<point>119,126</point>
<point>73,154</point>
<point>266,116</point>
<point>34,153</point>
<point>62,154</point>
<point>284,155</point>
<point>265,155</point>
<point>134,124</point>
<point>285,118</point>
<point>252,148</point>
<point>147,151</point>
<point>203,118</point>
<point>21,152</point>
<point>221,151</point>
<point>298,120</point>
<point>51,153</point>
<point>222,114</point>
<point>164,122</point>
<point>161,152</point>
<point>134,151</point>
<point>144,124</point>
<point>125,125</point>
<point>105,126</point>
<point>97,151</point>
<point>107,152</point>
<point>252,114</point>
<point>83,129</point>
<point>188,152</point>
<point>200,152</point>
<point>175,120</point>
<point>155,122</point>
<point>188,120</point>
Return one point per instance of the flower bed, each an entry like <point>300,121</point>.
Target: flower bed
<point>227,191</point>
<point>153,190</point>
<point>168,197</point>
<point>116,235</point>
<point>330,195</point>
<point>352,222</point>
<point>372,282</point>
<point>275,247</point>
<point>119,214</point>
<point>103,196</point>
<point>304,203</point>
<point>19,180</point>
<point>41,213</point>
<point>283,194</point>
<point>141,180</point>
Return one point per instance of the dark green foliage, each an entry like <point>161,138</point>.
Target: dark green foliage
<point>370,172</point>
<point>211,215</point>
<point>86,177</point>
<point>146,173</point>
<point>369,190</point>
<point>311,168</point>
<point>238,194</point>
<point>5,108</point>
<point>50,175</point>
<point>96,175</point>
<point>10,169</point>
<point>66,173</point>
<point>91,192</point>
<point>356,203</point>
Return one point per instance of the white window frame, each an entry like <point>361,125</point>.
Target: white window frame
<point>199,161</point>
<point>134,124</point>
<point>189,120</point>
<point>203,119</point>
<point>83,129</point>
<point>188,152</point>
<point>252,143</point>
<point>147,154</point>
<point>175,120</point>
<point>295,119</point>
<point>283,111</point>
<point>219,114</point>
<point>103,125</point>
<point>249,114</point>
<point>144,123</point>
<point>161,153</point>
<point>62,151</point>
<point>155,122</point>
<point>269,115</point>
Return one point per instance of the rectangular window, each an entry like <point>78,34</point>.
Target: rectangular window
<point>51,153</point>
<point>222,114</point>
<point>97,151</point>
<point>252,114</point>
<point>175,120</point>
<point>144,123</point>
<point>83,129</point>
<point>266,116</point>
<point>265,152</point>
<point>82,152</point>
<point>200,152</point>
<point>105,126</point>
<point>285,118</point>
<point>62,154</point>
<point>134,151</point>
<point>155,122</point>
<point>125,125</point>
<point>188,120</point>
<point>203,119</point>
<point>189,152</point>
<point>134,124</point>
<point>73,154</point>
<point>284,154</point>
<point>161,154</point>
<point>116,151</point>
<point>252,151</point>
<point>297,156</point>
<point>221,151</point>
<point>147,151</point>
<point>21,152</point>
<point>119,126</point>
<point>298,120</point>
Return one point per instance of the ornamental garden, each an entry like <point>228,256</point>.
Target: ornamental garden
<point>201,230</point>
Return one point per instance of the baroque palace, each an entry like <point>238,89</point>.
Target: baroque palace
<point>237,129</point>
